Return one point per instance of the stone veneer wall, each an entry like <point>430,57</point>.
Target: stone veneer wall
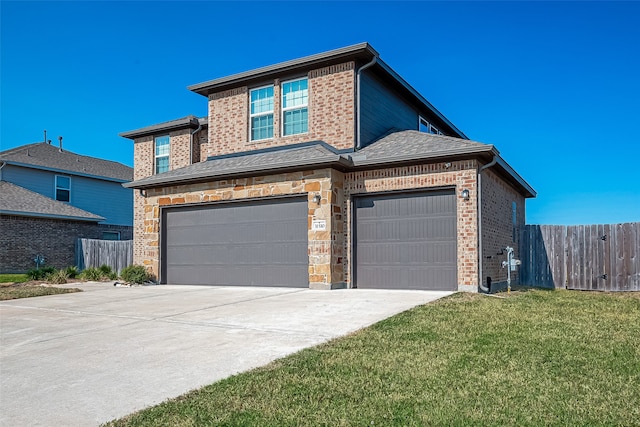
<point>323,274</point>
<point>497,228</point>
<point>459,175</point>
<point>331,113</point>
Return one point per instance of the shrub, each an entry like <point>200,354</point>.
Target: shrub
<point>106,270</point>
<point>134,274</point>
<point>93,274</point>
<point>39,273</point>
<point>58,277</point>
<point>72,272</point>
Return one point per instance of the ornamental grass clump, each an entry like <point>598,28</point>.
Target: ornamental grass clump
<point>134,274</point>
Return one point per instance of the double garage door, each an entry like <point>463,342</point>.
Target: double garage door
<point>401,241</point>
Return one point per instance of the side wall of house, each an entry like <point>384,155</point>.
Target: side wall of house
<point>458,175</point>
<point>23,238</point>
<point>330,106</point>
<point>115,203</point>
<point>382,110</point>
<point>498,228</point>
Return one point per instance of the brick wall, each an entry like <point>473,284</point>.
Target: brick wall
<point>497,227</point>
<point>459,175</point>
<point>331,114</point>
<point>24,237</point>
<point>320,243</point>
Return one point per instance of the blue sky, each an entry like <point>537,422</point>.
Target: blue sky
<point>555,86</point>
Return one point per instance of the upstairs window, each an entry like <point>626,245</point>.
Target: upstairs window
<point>162,154</point>
<point>295,113</point>
<point>261,113</point>
<point>426,127</point>
<point>63,188</point>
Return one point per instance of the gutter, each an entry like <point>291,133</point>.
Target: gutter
<point>358,78</point>
<point>191,142</point>
<point>479,207</point>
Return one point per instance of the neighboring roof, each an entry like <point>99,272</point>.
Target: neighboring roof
<point>16,200</point>
<point>188,122</point>
<point>361,52</point>
<point>395,148</point>
<point>49,157</point>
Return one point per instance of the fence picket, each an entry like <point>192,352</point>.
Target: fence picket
<point>117,254</point>
<point>577,257</point>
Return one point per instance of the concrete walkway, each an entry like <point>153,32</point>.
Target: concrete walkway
<point>86,358</point>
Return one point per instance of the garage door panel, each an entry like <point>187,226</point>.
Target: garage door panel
<point>261,243</point>
<point>406,241</point>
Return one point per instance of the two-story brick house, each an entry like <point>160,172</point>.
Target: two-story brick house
<point>327,171</point>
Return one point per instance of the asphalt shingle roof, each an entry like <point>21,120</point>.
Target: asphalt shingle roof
<point>394,148</point>
<point>49,156</point>
<point>16,200</point>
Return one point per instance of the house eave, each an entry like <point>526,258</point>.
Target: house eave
<point>360,50</point>
<point>190,122</point>
<point>50,216</point>
<point>64,171</point>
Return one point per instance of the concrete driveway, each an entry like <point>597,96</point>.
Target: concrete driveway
<point>86,358</point>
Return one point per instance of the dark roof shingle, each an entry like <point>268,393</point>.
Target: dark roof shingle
<point>47,156</point>
<point>16,200</point>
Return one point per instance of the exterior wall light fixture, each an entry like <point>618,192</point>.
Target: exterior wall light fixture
<point>465,194</point>
<point>317,198</point>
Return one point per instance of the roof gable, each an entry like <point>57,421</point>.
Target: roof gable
<point>41,155</point>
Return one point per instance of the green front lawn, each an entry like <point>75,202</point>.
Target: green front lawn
<point>13,278</point>
<point>534,358</point>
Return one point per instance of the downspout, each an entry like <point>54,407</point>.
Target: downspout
<point>364,67</point>
<point>481,258</point>
<point>191,142</point>
<point>1,166</point>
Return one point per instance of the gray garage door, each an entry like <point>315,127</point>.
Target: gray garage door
<point>259,243</point>
<point>406,241</point>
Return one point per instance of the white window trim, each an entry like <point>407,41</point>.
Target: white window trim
<point>155,157</point>
<point>251,116</point>
<point>297,107</point>
<point>432,129</point>
<point>56,187</point>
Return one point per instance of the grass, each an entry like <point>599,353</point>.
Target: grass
<point>534,358</point>
<point>16,292</point>
<point>13,278</point>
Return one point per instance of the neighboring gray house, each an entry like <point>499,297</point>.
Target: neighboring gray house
<point>50,197</point>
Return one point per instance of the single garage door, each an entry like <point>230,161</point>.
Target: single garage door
<point>406,241</point>
<point>258,243</point>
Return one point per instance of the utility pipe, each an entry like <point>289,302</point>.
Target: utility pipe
<point>364,67</point>
<point>479,207</point>
<point>191,142</point>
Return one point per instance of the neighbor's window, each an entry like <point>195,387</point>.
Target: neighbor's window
<point>63,188</point>
<point>426,127</point>
<point>110,235</point>
<point>162,153</point>
<point>295,113</point>
<point>261,113</point>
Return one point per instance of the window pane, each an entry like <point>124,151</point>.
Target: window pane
<point>262,100</point>
<point>162,146</point>
<point>295,94</point>
<point>262,127</point>
<point>63,182</point>
<point>295,121</point>
<point>162,164</point>
<point>62,195</point>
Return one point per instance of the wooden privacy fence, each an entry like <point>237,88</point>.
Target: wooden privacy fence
<point>588,257</point>
<point>117,254</point>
